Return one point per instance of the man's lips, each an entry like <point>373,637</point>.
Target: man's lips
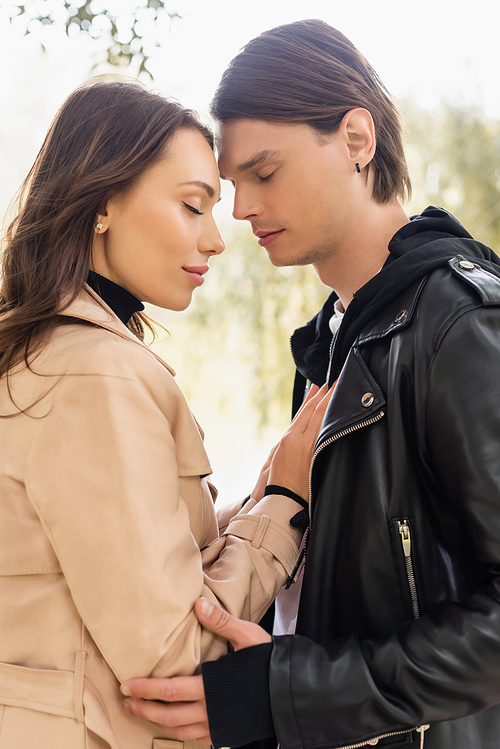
<point>196,273</point>
<point>265,238</point>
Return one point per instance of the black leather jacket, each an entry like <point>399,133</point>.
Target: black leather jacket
<point>399,620</point>
<point>402,581</point>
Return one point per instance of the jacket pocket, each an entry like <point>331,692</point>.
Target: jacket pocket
<point>51,703</point>
<point>405,541</point>
<point>23,727</point>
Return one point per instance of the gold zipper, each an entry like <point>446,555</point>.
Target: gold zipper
<point>420,729</point>
<point>342,433</point>
<point>301,558</point>
<point>404,532</point>
<point>373,742</point>
<point>299,564</point>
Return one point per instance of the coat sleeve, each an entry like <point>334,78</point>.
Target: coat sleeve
<point>102,474</point>
<point>445,665</point>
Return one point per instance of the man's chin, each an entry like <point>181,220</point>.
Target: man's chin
<point>299,259</point>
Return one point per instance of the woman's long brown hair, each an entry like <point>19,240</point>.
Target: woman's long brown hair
<point>106,134</point>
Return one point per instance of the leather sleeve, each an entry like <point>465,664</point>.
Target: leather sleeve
<point>446,664</point>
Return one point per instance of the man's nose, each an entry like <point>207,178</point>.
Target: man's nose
<point>245,207</point>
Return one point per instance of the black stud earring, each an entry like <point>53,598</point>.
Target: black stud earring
<point>357,168</point>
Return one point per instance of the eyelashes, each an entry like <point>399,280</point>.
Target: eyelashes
<point>192,209</point>
<point>268,178</point>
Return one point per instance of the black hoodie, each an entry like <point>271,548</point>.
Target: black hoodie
<point>428,241</point>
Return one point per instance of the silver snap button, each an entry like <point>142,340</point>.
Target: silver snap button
<point>367,400</point>
<point>466,265</point>
<point>401,316</point>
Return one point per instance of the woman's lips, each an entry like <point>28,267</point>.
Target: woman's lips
<point>266,239</point>
<point>196,273</point>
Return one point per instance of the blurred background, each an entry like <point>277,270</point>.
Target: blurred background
<point>439,58</point>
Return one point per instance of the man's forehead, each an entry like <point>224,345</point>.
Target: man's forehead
<point>256,159</point>
<point>245,144</point>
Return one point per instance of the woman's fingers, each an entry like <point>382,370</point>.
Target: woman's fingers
<point>292,459</point>
<point>307,410</point>
<point>262,481</point>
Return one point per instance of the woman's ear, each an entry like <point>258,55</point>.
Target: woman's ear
<point>102,221</point>
<point>359,132</point>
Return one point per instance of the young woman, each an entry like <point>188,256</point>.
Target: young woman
<point>108,533</point>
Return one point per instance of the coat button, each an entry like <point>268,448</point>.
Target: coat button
<point>367,400</point>
<point>401,316</point>
<point>466,265</point>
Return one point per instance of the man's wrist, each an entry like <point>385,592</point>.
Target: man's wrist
<point>238,698</point>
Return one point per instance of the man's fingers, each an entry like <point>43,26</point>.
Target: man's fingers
<point>176,689</point>
<point>170,715</point>
<point>240,634</point>
<point>186,721</point>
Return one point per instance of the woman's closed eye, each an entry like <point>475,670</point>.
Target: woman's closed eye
<point>192,209</point>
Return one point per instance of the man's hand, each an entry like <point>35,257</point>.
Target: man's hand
<point>178,704</point>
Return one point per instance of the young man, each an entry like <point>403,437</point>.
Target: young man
<point>398,631</point>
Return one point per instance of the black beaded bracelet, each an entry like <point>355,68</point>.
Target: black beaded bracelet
<point>275,489</point>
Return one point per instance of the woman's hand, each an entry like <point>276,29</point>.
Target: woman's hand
<point>292,456</point>
<point>263,480</point>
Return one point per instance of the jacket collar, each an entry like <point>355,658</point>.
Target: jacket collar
<point>396,315</point>
<point>90,307</point>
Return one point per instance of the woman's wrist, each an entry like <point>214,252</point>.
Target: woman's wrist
<point>284,491</point>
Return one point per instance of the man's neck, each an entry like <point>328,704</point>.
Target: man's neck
<point>363,253</point>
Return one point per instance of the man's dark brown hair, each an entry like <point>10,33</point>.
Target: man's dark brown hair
<point>309,73</point>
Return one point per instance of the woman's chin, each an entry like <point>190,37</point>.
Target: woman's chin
<point>178,304</point>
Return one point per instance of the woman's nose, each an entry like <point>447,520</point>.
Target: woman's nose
<point>212,242</point>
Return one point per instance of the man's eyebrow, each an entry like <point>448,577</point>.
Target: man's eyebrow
<point>204,186</point>
<point>258,158</point>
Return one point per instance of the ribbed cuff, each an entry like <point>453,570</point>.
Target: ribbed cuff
<point>237,694</point>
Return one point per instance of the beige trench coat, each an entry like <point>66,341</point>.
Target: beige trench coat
<point>108,535</point>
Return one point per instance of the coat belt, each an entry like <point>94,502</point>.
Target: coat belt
<point>65,693</point>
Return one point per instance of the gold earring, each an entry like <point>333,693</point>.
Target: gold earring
<point>99,226</point>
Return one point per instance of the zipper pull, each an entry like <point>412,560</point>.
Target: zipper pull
<point>404,530</point>
<point>421,730</point>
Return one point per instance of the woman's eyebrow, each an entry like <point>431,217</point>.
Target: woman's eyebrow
<point>204,185</point>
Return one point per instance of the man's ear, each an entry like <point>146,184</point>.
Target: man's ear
<point>359,132</point>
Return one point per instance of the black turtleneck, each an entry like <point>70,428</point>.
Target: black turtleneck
<point>122,302</point>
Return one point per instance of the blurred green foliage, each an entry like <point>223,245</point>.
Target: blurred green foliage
<point>129,32</point>
<point>454,159</point>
